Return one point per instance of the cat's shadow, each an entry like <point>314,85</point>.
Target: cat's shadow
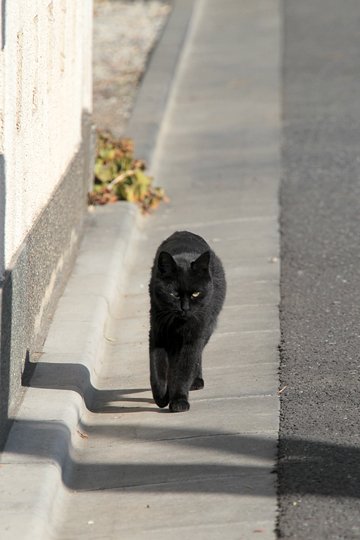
<point>76,377</point>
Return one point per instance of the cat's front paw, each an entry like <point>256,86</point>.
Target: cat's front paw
<point>198,384</point>
<point>179,405</point>
<point>161,400</point>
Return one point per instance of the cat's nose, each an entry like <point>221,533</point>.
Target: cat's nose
<point>185,305</point>
<point>185,313</point>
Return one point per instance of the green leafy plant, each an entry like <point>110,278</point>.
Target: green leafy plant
<point>119,176</point>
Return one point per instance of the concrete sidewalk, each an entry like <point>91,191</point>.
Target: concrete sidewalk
<point>128,469</point>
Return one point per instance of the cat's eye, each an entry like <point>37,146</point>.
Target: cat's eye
<point>195,294</point>
<point>175,294</point>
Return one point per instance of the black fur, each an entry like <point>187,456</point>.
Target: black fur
<point>181,324</point>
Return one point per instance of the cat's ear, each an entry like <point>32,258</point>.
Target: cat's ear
<point>201,265</point>
<point>166,264</point>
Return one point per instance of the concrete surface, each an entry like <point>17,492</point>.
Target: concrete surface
<point>91,455</point>
<point>141,472</point>
<point>152,97</point>
<point>46,423</point>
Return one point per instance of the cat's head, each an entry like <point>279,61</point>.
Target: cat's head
<point>183,285</point>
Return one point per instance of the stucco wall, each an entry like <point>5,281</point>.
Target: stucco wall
<point>46,85</point>
<point>46,162</point>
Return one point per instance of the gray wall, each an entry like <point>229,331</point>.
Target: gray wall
<point>42,264</point>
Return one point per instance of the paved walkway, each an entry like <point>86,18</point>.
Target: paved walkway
<point>90,456</point>
<point>141,472</point>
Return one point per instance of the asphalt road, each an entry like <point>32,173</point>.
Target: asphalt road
<point>319,451</point>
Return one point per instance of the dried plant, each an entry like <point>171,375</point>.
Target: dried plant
<point>119,176</point>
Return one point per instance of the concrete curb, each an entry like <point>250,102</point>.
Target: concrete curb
<point>45,429</point>
<point>155,90</point>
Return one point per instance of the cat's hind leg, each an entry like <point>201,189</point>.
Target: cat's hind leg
<point>159,376</point>
<point>198,384</point>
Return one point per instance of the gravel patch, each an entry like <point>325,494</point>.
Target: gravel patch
<point>125,32</point>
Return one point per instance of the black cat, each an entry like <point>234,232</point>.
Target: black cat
<point>187,291</point>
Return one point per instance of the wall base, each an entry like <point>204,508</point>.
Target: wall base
<point>38,273</point>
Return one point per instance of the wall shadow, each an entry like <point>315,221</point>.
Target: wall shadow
<point>322,468</point>
<point>5,299</point>
<point>3,18</point>
<point>76,377</point>
<point>314,467</point>
<point>5,355</point>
